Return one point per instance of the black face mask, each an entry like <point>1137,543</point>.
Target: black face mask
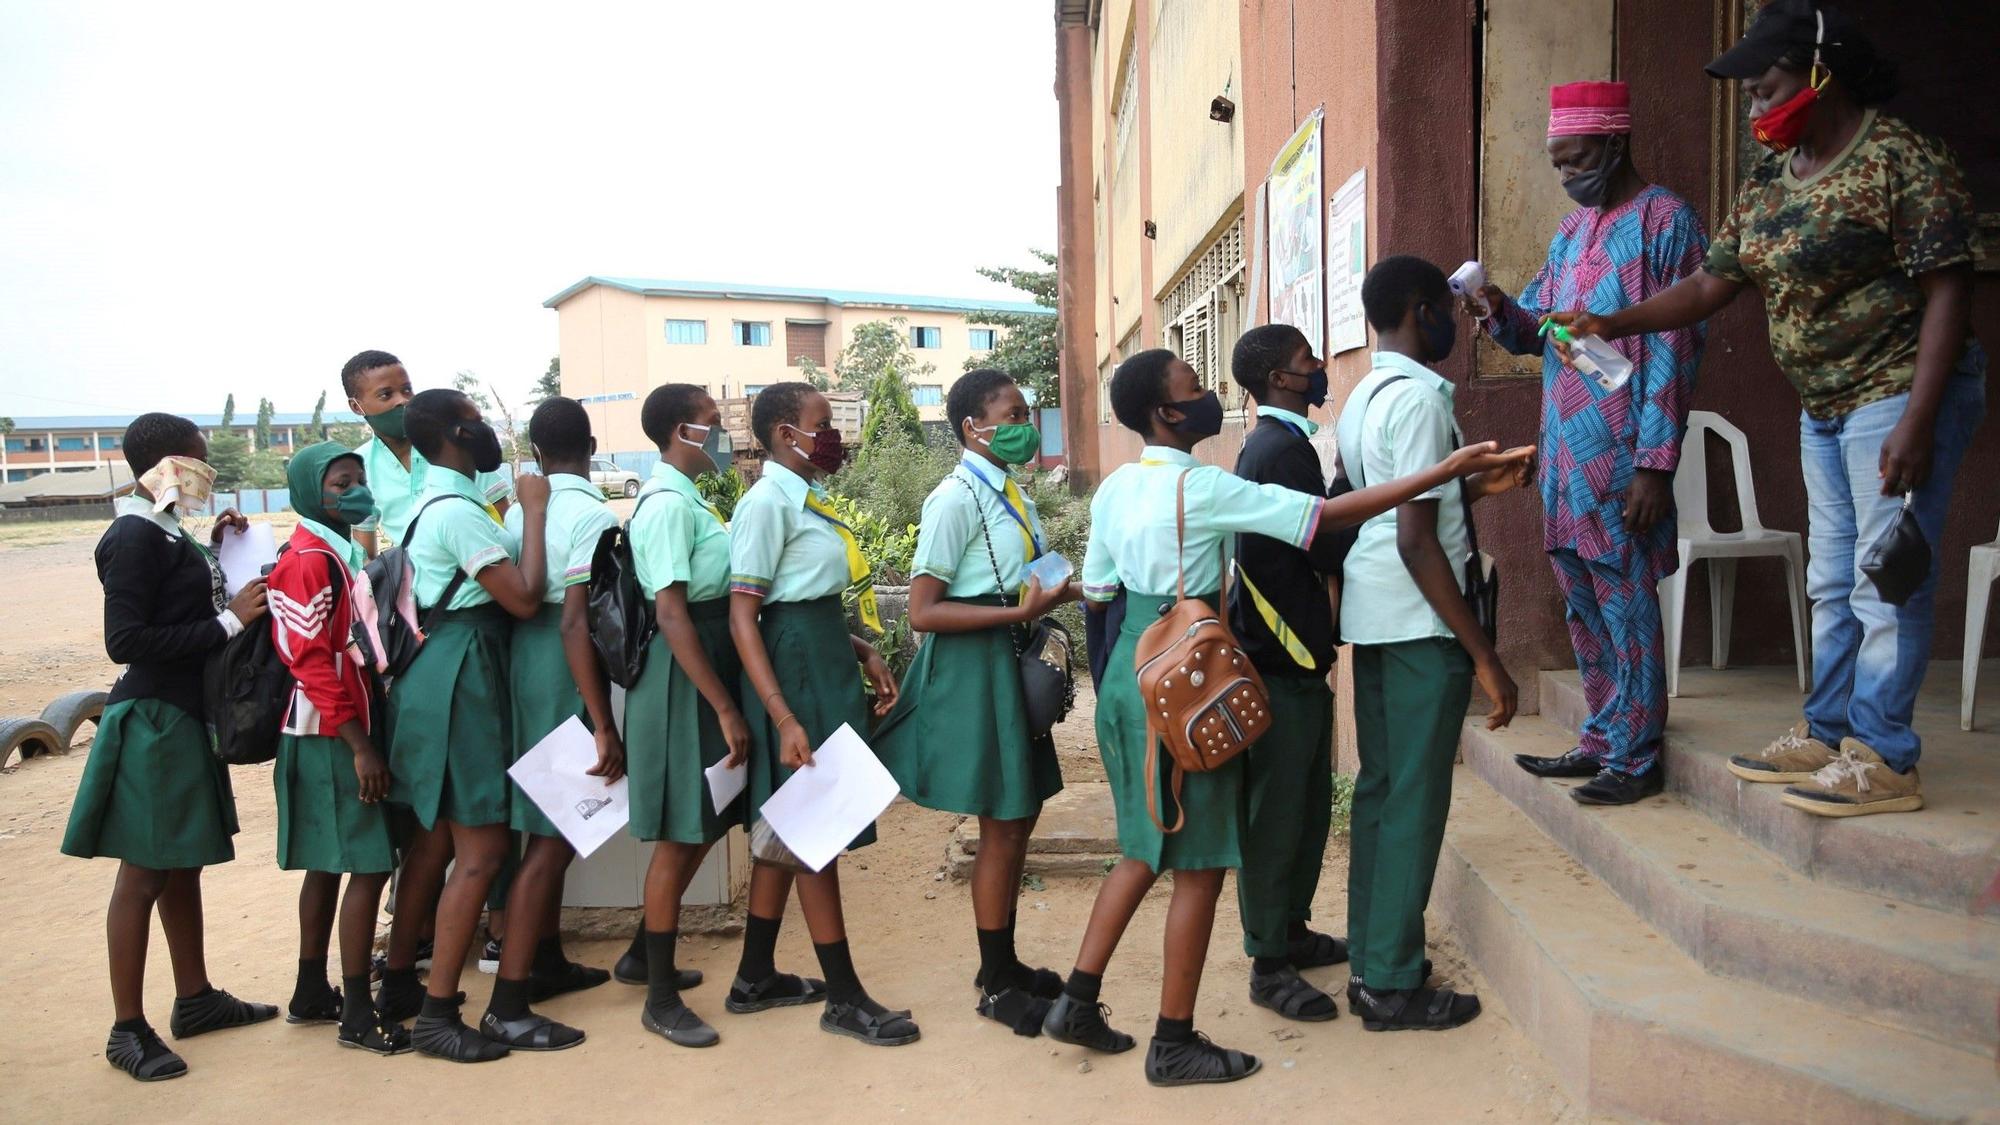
<point>1440,333</point>
<point>1592,188</point>
<point>478,439</point>
<point>1200,417</point>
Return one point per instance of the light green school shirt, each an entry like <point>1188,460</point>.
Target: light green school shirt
<point>396,489</point>
<point>677,537</point>
<point>1408,427</point>
<point>577,516</point>
<point>454,535</point>
<point>949,543</point>
<point>1132,541</point>
<point>780,551</point>
<point>1299,422</point>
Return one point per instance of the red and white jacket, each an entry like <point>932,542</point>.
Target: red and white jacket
<point>312,624</point>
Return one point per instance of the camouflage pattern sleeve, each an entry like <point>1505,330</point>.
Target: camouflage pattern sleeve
<point>1930,208</point>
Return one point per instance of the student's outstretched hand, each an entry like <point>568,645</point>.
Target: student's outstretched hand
<point>1494,481</point>
<point>736,733</point>
<point>610,757</point>
<point>1485,456</point>
<point>532,490</point>
<point>226,520</point>
<point>372,774</point>
<point>248,604</point>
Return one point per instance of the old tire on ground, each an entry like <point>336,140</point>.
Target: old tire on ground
<point>69,712</point>
<point>631,489</point>
<point>29,737</point>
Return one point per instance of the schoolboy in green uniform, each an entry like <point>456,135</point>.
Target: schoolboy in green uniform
<point>450,746</point>
<point>152,796</point>
<point>958,739</point>
<point>790,559</point>
<point>1134,549</point>
<point>683,714</point>
<point>1417,646</point>
<point>553,675</point>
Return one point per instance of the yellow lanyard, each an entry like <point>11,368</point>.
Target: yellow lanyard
<point>857,565</point>
<point>1293,646</point>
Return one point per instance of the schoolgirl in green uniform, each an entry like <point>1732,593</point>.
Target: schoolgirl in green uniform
<point>152,796</point>
<point>331,774</point>
<point>683,715</point>
<point>1134,553</point>
<point>553,675</point>
<point>450,745</point>
<point>958,739</point>
<point>790,559</point>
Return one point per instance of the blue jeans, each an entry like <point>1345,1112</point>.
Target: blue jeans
<point>1868,656</point>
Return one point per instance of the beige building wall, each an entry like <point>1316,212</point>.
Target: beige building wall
<point>1197,162</point>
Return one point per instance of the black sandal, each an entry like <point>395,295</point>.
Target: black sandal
<point>779,990</point>
<point>447,1037</point>
<point>1316,950</point>
<point>1044,983</point>
<point>880,1028</point>
<point>1415,1009</point>
<point>143,1055</point>
<point>1017,1008</point>
<point>573,978</point>
<point>1082,1024</point>
<point>678,1025</point>
<point>1354,986</point>
<point>325,1009</point>
<point>531,1032</point>
<point>1291,996</point>
<point>377,1038</point>
<point>1197,1061</point>
<point>215,1010</point>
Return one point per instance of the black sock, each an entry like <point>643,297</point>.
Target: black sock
<point>1173,1031</point>
<point>550,960</point>
<point>760,949</point>
<point>1265,966</point>
<point>999,969</point>
<point>439,1007</point>
<point>637,950</point>
<point>662,978</point>
<point>399,982</point>
<point>357,1008</point>
<point>1297,931</point>
<point>510,998</point>
<point>136,1023</point>
<point>311,985</point>
<point>1084,986</point>
<point>837,962</point>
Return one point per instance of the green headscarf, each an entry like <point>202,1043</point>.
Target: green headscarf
<point>307,477</point>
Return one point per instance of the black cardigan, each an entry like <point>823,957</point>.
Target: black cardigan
<point>161,600</point>
<point>1292,580</point>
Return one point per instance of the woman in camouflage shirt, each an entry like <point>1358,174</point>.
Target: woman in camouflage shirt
<point>1857,231</point>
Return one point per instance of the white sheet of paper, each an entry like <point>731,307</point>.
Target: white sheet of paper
<point>820,809</point>
<point>725,783</point>
<point>244,555</point>
<point>584,809</point>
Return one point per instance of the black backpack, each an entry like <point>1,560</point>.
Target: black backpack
<point>397,616</point>
<point>622,623</point>
<point>247,691</point>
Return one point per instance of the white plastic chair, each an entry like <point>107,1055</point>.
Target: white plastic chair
<point>1980,572</point>
<point>1722,549</point>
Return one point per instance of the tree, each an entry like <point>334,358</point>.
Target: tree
<point>316,429</point>
<point>549,385</point>
<point>890,408</point>
<point>1032,341</point>
<point>6,425</point>
<point>228,452</point>
<point>263,424</point>
<point>353,435</point>
<point>879,347</point>
<point>811,372</point>
<point>264,469</point>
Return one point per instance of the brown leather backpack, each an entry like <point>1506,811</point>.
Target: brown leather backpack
<point>1203,698</point>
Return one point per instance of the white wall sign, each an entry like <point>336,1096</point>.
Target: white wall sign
<point>1346,265</point>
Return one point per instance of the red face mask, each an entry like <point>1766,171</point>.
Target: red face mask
<point>1780,127</point>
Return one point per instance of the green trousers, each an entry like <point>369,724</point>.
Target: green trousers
<point>1409,707</point>
<point>1287,812</point>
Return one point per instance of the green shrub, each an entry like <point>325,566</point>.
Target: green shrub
<point>1343,802</point>
<point>890,477</point>
<point>722,490</point>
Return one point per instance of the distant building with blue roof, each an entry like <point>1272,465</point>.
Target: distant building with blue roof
<point>53,443</point>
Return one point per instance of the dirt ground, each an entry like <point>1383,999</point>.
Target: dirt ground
<point>912,937</point>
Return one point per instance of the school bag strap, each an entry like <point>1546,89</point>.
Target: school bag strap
<point>458,575</point>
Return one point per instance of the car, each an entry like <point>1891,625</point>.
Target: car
<point>612,480</point>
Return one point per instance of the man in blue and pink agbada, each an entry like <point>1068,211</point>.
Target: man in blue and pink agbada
<point>1608,456</point>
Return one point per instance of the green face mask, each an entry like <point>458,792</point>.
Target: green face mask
<point>1014,444</point>
<point>354,505</point>
<point>388,424</point>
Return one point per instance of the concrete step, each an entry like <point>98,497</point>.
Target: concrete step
<point>1077,836</point>
<point>1636,1028</point>
<point>1740,913</point>
<point>1945,856</point>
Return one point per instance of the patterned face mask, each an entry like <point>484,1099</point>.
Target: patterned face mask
<point>179,480</point>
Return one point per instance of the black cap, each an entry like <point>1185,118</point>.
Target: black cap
<point>1783,26</point>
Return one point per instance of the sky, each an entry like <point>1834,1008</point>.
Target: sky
<point>206,198</point>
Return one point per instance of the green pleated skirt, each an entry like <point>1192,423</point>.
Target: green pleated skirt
<point>957,740</point>
<point>322,824</point>
<point>543,696</point>
<point>821,683</point>
<point>152,792</point>
<point>452,744</point>
<point>1212,836</point>
<point>672,735</point>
